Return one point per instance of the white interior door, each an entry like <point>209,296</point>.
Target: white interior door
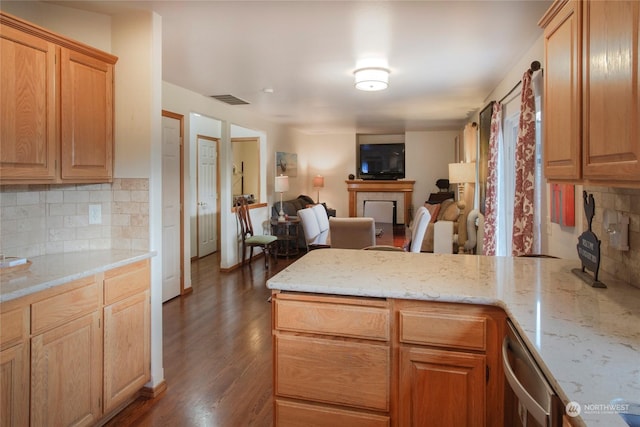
<point>207,195</point>
<point>171,207</point>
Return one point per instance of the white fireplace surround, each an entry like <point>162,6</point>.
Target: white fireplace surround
<point>386,196</point>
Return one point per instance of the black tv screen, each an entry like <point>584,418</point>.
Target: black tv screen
<point>381,161</point>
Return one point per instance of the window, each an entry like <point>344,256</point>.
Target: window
<point>506,176</point>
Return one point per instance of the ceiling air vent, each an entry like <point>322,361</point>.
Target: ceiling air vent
<point>230,99</point>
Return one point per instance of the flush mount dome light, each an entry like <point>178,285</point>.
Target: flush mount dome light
<point>372,79</point>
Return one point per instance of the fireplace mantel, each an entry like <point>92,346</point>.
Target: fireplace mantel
<point>370,186</point>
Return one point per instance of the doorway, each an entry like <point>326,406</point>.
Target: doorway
<point>172,202</point>
<point>208,218</point>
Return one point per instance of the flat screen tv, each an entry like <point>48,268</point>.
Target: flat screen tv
<point>381,161</point>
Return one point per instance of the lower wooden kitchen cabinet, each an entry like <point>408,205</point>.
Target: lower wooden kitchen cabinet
<point>450,367</point>
<point>66,374</point>
<point>384,362</point>
<point>127,333</point>
<point>75,353</point>
<point>441,388</point>
<point>14,366</point>
<point>332,361</point>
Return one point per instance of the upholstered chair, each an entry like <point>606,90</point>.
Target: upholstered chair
<point>352,233</point>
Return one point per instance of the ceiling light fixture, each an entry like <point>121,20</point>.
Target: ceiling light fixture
<point>372,79</point>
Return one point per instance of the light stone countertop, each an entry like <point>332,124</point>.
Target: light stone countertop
<point>586,340</point>
<point>48,271</point>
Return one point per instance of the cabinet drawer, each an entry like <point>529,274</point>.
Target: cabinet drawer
<point>295,414</point>
<point>331,371</point>
<point>62,308</point>
<point>125,281</point>
<point>14,327</point>
<point>356,321</point>
<point>443,329</point>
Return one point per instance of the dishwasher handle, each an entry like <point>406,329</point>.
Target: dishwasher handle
<point>540,414</point>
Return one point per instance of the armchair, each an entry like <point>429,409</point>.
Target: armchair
<point>442,231</point>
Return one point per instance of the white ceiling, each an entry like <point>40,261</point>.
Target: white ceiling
<point>445,57</point>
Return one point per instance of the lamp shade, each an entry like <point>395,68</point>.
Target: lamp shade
<point>462,172</point>
<point>282,183</point>
<point>372,79</point>
<point>318,181</point>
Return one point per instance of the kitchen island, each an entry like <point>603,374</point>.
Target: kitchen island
<point>586,340</point>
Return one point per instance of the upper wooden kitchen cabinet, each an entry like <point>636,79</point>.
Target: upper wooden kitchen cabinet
<point>56,107</point>
<point>611,115</point>
<point>562,89</point>
<point>591,107</point>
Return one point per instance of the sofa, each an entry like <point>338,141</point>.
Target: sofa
<point>447,210</point>
<point>291,208</point>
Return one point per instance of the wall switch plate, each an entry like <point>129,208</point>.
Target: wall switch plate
<point>95,214</point>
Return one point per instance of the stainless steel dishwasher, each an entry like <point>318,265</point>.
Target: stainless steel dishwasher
<point>533,402</point>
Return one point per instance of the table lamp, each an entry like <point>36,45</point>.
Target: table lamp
<point>461,173</point>
<point>318,183</point>
<point>282,185</point>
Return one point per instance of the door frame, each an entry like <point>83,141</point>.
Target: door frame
<point>218,222</point>
<point>180,117</point>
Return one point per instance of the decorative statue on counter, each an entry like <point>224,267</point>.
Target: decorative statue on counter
<point>589,247</point>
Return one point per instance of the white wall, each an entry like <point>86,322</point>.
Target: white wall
<point>93,29</point>
<point>132,41</point>
<point>330,155</point>
<point>137,41</point>
<point>427,159</point>
<point>183,101</point>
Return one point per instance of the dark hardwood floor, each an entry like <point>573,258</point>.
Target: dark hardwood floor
<point>216,352</point>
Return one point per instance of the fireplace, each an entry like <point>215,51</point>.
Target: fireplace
<point>400,192</point>
<point>381,210</point>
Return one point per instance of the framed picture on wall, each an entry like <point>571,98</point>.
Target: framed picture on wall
<point>286,164</point>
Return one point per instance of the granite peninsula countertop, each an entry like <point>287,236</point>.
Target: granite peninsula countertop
<point>586,340</point>
<point>47,271</point>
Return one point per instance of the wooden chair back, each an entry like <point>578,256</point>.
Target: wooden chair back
<point>242,210</point>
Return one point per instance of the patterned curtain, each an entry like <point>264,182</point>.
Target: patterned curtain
<point>523,210</point>
<point>491,201</point>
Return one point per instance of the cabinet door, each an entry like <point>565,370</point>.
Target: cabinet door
<point>14,386</point>
<point>612,114</point>
<point>441,388</point>
<point>126,348</point>
<point>27,107</point>
<point>66,368</point>
<point>86,117</point>
<point>562,99</point>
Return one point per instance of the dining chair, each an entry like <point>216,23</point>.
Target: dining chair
<point>418,229</point>
<point>352,233</point>
<point>268,243</point>
<point>420,223</point>
<point>314,237</point>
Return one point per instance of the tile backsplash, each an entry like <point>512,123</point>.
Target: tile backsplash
<point>624,265</point>
<point>46,219</point>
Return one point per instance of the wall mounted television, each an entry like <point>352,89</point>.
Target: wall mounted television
<point>381,161</point>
